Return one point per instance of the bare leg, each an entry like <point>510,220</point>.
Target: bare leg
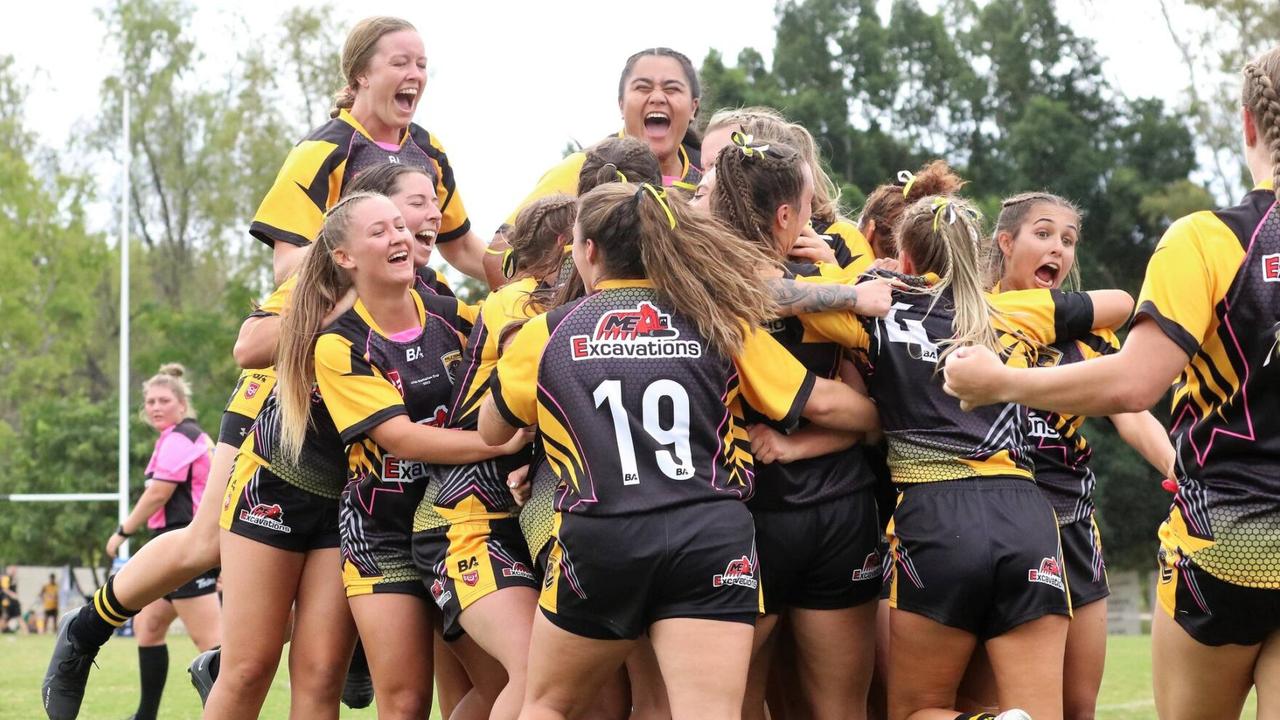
<point>398,638</point>
<point>1266,677</point>
<point>501,623</point>
<point>452,681</point>
<point>647,689</point>
<point>1199,682</point>
<point>566,669</point>
<point>835,651</point>
<point>1027,662</point>
<point>325,638</point>
<point>925,666</point>
<point>1083,664</point>
<point>202,617</point>
<point>686,648</point>
<point>762,645</point>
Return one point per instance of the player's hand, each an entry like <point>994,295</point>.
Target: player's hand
<point>976,376</point>
<point>345,303</point>
<point>523,437</point>
<point>875,297</point>
<point>519,485</point>
<point>113,544</point>
<point>768,445</point>
<point>887,263</point>
<point>811,246</point>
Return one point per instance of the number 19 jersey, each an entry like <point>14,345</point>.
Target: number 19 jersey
<point>637,413</point>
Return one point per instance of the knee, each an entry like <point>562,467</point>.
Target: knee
<point>317,676</point>
<point>203,549</point>
<point>249,673</point>
<point>404,702</point>
<point>149,631</point>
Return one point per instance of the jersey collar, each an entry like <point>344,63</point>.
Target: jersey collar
<point>1267,184</point>
<point>624,283</point>
<point>364,314</point>
<point>350,119</point>
<point>684,164</point>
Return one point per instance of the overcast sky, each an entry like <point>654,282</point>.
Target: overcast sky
<point>511,82</point>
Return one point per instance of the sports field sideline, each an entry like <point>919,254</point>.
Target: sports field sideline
<point>1126,689</point>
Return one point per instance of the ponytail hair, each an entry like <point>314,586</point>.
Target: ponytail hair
<point>697,265</point>
<point>171,377</point>
<point>753,178</point>
<point>538,240</point>
<point>321,283</point>
<point>357,51</point>
<point>618,159</point>
<point>943,235</point>
<point>886,203</point>
<point>1014,212</point>
<point>1261,97</point>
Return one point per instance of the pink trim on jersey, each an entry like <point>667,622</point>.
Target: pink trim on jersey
<point>405,336</point>
<point>389,147</point>
<point>175,459</point>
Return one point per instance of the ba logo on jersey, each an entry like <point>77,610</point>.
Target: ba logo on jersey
<point>1271,267</point>
<point>270,517</point>
<point>871,568</point>
<point>1049,573</point>
<point>740,572</point>
<point>639,332</point>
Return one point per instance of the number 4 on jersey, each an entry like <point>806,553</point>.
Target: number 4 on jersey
<point>675,463</point>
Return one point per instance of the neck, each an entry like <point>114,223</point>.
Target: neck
<point>390,305</point>
<point>1008,282</point>
<point>671,164</point>
<point>1260,167</point>
<point>369,120</point>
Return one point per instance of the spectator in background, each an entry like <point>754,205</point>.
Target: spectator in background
<point>49,604</point>
<point>10,608</point>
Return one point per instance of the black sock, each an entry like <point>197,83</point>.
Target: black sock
<point>95,622</point>
<point>215,665</point>
<point>153,666</point>
<point>976,716</point>
<point>359,663</point>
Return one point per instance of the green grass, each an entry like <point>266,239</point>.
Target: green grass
<point>113,686</point>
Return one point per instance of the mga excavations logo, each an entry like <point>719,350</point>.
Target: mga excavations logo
<point>1049,573</point>
<point>739,572</point>
<point>270,517</point>
<point>639,332</point>
<point>1271,268</point>
<point>440,594</point>
<point>518,569</point>
<point>871,568</point>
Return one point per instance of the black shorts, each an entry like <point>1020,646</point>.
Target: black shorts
<point>263,507</point>
<point>610,578</point>
<point>470,560</point>
<point>1213,611</point>
<point>886,567</point>
<point>252,390</point>
<point>820,557</point>
<point>376,528</point>
<point>205,584</point>
<point>1083,563</point>
<point>981,555</point>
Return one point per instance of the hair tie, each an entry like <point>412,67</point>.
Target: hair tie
<point>661,197</point>
<point>907,179</point>
<point>943,207</point>
<point>745,142</point>
<point>622,177</point>
<point>607,167</point>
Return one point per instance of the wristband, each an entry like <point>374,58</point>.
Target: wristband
<point>120,531</point>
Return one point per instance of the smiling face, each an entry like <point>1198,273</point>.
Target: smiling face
<point>415,198</point>
<point>657,104</point>
<point>391,86</point>
<point>377,248</point>
<point>1043,250</point>
<point>161,407</point>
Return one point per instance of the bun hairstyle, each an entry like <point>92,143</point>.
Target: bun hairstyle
<point>1261,96</point>
<point>358,50</point>
<point>943,235</point>
<point>886,203</point>
<point>171,377</point>
<point>618,159</point>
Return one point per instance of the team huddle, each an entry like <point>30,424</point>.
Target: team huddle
<point>709,449</point>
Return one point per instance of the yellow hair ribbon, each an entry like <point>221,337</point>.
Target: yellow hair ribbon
<point>661,197</point>
<point>943,206</point>
<point>621,176</point>
<point>744,143</point>
<point>907,178</point>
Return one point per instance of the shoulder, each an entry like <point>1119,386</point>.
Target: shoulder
<point>336,130</point>
<point>188,429</point>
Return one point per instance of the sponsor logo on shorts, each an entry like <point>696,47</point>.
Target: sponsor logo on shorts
<point>1049,573</point>
<point>469,571</point>
<point>202,583</point>
<point>1271,267</point>
<point>519,570</point>
<point>440,595</point>
<point>270,517</point>
<point>639,332</point>
<point>553,564</point>
<point>1040,428</point>
<point>739,572</point>
<point>871,568</point>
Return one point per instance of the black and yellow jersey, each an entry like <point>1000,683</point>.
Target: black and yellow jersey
<point>478,491</point>
<point>318,168</point>
<point>433,282</point>
<point>253,387</point>
<point>636,414</point>
<point>930,439</point>
<point>1213,287</point>
<point>563,177</point>
<point>321,467</point>
<point>782,486</point>
<point>366,377</point>
<point>853,253</point>
<point>1058,447</point>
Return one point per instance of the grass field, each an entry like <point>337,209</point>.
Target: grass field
<point>1126,690</point>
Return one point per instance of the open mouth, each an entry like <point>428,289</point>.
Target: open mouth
<point>399,257</point>
<point>1047,275</point>
<point>657,125</point>
<point>406,97</point>
<point>426,237</point>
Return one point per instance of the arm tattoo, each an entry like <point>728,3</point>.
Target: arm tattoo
<point>800,298</point>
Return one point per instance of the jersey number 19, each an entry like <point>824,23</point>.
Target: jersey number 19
<point>675,463</point>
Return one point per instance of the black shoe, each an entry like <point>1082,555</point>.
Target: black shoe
<point>63,688</point>
<point>357,691</point>
<point>203,672</point>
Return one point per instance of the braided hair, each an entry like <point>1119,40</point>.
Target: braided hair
<point>1261,75</point>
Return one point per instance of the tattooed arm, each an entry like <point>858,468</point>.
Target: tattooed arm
<point>871,298</point>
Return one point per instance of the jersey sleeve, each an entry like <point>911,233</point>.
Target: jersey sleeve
<point>772,380</point>
<point>1099,343</point>
<point>561,178</point>
<point>1184,283</point>
<point>275,303</point>
<point>841,327</point>
<point>308,183</point>
<point>358,396</point>
<point>174,457</point>
<point>1044,316</point>
<point>515,383</point>
<point>454,222</point>
<point>855,253</point>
